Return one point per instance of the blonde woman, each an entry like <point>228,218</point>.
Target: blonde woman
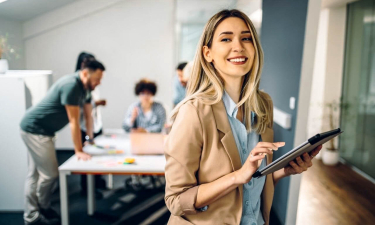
<point>222,132</point>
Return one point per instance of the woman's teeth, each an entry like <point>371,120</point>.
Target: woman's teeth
<point>237,60</point>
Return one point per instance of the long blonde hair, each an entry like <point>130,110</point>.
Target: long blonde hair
<point>206,85</point>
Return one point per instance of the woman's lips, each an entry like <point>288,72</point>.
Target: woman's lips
<point>238,60</point>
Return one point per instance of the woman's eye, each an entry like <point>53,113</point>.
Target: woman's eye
<point>225,39</point>
<point>247,39</point>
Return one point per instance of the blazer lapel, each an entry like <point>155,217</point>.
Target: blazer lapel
<point>227,138</point>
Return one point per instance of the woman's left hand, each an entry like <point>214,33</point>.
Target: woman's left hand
<point>303,162</point>
<point>139,130</point>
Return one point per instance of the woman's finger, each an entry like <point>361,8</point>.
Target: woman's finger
<point>256,158</point>
<point>273,146</point>
<point>300,162</point>
<point>289,170</point>
<point>314,152</point>
<point>258,150</point>
<point>306,158</point>
<point>295,167</point>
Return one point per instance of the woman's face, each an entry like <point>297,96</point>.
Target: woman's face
<point>146,97</point>
<point>232,51</point>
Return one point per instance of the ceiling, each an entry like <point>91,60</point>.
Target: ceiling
<point>200,11</point>
<point>22,10</point>
<point>335,3</point>
<point>187,11</point>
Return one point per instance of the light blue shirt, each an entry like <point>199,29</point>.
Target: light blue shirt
<point>251,213</point>
<point>179,91</point>
<point>154,124</point>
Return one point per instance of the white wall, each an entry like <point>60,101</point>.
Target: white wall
<point>14,30</point>
<point>305,86</point>
<point>133,39</point>
<point>328,68</point>
<point>318,80</point>
<point>335,60</point>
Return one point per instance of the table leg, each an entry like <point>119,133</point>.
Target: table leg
<point>110,181</point>
<point>64,199</point>
<point>90,194</point>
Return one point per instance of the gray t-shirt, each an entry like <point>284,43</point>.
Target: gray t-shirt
<point>49,115</point>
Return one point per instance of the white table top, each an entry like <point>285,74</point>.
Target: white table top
<point>103,162</point>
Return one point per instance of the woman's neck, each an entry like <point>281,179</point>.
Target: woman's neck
<point>233,88</point>
<point>146,106</point>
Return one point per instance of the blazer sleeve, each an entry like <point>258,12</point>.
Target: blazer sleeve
<point>183,151</point>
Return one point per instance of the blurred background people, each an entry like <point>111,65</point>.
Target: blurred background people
<point>96,118</point>
<point>59,107</point>
<point>179,84</point>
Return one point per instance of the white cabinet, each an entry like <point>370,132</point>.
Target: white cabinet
<point>19,89</point>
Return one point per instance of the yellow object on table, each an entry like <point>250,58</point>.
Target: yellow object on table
<point>129,160</point>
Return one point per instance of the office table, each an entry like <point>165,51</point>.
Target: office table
<point>105,161</point>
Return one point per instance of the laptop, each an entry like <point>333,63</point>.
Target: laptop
<point>147,143</point>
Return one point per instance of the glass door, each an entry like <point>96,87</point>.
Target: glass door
<point>357,143</point>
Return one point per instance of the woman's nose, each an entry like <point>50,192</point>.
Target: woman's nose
<point>237,46</point>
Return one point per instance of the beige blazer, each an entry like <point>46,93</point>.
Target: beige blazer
<point>200,149</point>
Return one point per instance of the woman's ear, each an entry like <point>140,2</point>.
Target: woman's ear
<point>207,54</point>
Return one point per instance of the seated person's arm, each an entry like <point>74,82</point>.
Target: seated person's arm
<point>100,102</point>
<point>73,115</point>
<point>130,117</point>
<point>161,118</point>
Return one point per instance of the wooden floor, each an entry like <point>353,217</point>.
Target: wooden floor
<point>335,195</point>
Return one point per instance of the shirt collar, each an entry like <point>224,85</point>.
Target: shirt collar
<point>230,105</point>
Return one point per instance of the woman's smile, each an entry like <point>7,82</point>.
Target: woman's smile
<point>238,60</point>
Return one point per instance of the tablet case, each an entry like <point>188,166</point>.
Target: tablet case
<point>307,146</point>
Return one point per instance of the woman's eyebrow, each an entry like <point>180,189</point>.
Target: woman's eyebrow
<point>230,32</point>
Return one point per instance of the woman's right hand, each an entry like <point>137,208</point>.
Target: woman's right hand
<point>134,114</point>
<point>251,165</point>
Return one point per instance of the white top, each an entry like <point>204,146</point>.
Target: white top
<point>96,114</point>
<point>148,115</point>
<point>103,162</point>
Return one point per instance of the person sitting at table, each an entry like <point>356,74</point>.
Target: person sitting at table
<point>145,115</point>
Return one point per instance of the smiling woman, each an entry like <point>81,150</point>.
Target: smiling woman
<point>230,36</point>
<point>222,132</point>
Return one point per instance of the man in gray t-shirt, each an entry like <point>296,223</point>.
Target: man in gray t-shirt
<point>59,107</point>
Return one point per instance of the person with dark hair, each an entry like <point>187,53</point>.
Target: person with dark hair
<point>179,84</point>
<point>97,125</point>
<point>60,106</point>
<point>145,115</point>
<point>83,57</point>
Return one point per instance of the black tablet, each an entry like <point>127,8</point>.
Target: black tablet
<point>307,146</point>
